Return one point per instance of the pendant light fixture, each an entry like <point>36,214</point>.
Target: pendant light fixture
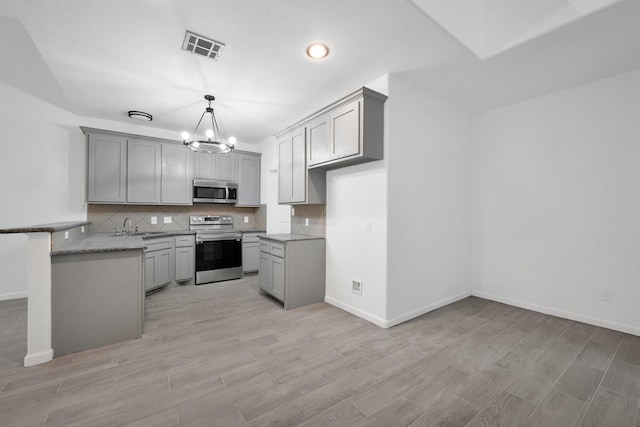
<point>214,142</point>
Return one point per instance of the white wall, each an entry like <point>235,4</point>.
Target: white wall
<point>556,203</point>
<point>357,194</point>
<point>42,175</point>
<point>429,202</point>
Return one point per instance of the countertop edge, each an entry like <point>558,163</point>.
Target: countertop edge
<point>45,228</point>
<point>290,237</point>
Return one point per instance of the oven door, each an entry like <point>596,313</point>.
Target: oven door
<point>218,258</point>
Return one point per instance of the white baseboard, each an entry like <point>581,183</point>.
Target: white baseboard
<point>14,295</point>
<point>38,358</point>
<point>399,319</point>
<point>426,309</point>
<point>560,313</point>
<point>356,312</point>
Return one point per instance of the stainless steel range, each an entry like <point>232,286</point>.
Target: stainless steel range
<point>218,248</point>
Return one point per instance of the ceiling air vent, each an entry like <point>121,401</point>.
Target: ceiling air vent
<point>202,46</point>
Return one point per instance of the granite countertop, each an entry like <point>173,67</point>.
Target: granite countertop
<point>106,242</point>
<point>101,242</point>
<point>290,237</point>
<point>45,228</point>
<point>250,230</point>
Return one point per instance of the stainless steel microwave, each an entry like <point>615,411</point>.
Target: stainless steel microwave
<point>208,191</point>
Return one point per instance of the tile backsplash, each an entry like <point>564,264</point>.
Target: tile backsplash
<point>105,218</point>
<point>316,216</point>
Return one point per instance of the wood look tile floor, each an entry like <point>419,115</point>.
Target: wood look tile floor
<point>225,355</point>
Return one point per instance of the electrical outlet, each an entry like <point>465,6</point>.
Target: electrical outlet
<point>82,229</point>
<point>293,211</point>
<point>167,220</point>
<point>66,235</point>
<point>606,295</point>
<point>356,287</point>
<point>246,219</point>
<point>367,225</point>
<point>306,222</point>
<point>154,220</point>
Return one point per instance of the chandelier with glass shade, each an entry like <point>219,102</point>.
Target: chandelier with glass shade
<point>214,142</point>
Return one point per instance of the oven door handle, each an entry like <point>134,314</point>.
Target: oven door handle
<point>200,240</point>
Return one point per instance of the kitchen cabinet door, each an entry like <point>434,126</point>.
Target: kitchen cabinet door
<point>143,171</point>
<point>345,124</point>
<point>107,169</point>
<point>185,263</point>
<point>277,277</point>
<point>225,167</point>
<point>265,280</point>
<point>248,171</point>
<point>250,257</point>
<point>220,167</point>
<point>285,171</point>
<point>177,174</point>
<point>318,141</point>
<point>298,167</point>
<point>157,269</point>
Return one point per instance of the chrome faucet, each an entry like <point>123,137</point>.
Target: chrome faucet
<point>125,229</point>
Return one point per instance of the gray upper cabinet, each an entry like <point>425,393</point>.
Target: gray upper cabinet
<point>297,185</point>
<point>285,177</point>
<point>220,167</point>
<point>177,174</point>
<point>124,168</point>
<point>318,141</point>
<point>248,177</point>
<point>298,166</point>
<point>348,132</point>
<point>107,168</point>
<point>143,171</point>
<point>345,124</point>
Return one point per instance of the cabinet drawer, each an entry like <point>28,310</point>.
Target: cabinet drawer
<point>265,246</point>
<point>251,237</point>
<point>158,244</point>
<point>277,249</point>
<point>184,241</point>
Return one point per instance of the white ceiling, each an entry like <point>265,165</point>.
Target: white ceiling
<point>109,57</point>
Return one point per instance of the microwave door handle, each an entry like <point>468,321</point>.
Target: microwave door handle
<point>228,191</point>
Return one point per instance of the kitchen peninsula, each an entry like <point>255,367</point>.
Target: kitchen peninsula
<point>83,291</point>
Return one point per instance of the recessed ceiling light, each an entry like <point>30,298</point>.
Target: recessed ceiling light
<point>140,115</point>
<point>317,51</point>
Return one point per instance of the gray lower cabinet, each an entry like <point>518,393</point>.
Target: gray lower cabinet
<point>220,167</point>
<point>158,263</point>
<point>251,252</point>
<point>293,271</point>
<point>97,299</point>
<point>248,178</point>
<point>185,258</point>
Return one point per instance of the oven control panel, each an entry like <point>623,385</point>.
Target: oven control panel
<point>210,219</point>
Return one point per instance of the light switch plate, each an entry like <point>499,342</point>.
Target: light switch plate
<point>66,235</point>
<point>82,229</point>
<point>306,222</point>
<point>167,220</point>
<point>154,220</point>
<point>246,219</point>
